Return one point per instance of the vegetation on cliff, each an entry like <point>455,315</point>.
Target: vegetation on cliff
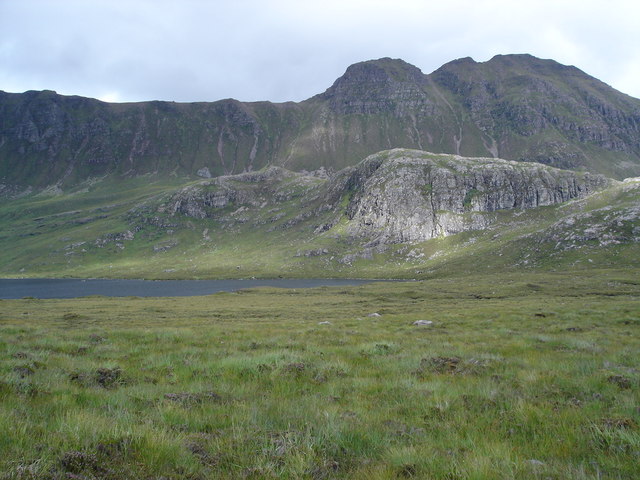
<point>400,213</point>
<point>515,107</point>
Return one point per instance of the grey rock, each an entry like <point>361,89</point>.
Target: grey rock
<point>422,322</point>
<point>313,253</point>
<point>165,246</point>
<point>251,189</point>
<point>204,172</point>
<point>410,196</point>
<point>395,196</point>
<point>116,238</point>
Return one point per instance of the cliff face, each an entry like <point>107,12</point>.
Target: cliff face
<point>395,196</point>
<point>47,138</point>
<point>381,212</point>
<point>539,110</point>
<point>516,107</point>
<point>409,196</point>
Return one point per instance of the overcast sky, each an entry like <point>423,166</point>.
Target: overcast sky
<point>279,50</point>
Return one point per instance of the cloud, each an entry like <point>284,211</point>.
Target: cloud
<point>279,50</point>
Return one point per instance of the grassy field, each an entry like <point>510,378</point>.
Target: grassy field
<point>530,375</point>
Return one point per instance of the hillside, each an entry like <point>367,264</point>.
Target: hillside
<point>511,351</point>
<point>515,107</point>
<point>398,213</point>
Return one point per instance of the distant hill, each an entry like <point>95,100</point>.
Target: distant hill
<point>398,213</point>
<point>515,107</point>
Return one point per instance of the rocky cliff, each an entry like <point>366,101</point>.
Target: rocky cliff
<point>47,138</point>
<point>516,107</point>
<point>395,196</point>
<point>401,195</point>
<point>400,209</point>
<point>410,196</point>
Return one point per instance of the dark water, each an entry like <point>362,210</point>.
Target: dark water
<point>71,288</point>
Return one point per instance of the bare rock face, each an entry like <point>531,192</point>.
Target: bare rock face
<point>245,190</point>
<point>204,173</point>
<point>394,196</point>
<point>515,106</point>
<point>382,86</point>
<point>407,196</point>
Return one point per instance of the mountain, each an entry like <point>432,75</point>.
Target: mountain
<point>389,172</point>
<point>515,107</point>
<point>397,213</point>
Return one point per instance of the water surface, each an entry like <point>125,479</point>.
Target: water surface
<point>72,288</point>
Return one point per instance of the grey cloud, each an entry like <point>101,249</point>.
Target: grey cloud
<point>283,50</point>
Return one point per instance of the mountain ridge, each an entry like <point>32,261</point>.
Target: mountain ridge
<point>513,106</point>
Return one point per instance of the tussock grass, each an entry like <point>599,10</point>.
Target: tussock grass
<point>510,381</point>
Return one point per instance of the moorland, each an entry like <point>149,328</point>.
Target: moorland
<point>517,376</point>
<point>504,194</point>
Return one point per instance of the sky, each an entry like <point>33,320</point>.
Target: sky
<point>290,50</point>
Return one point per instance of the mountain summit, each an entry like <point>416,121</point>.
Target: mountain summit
<point>516,107</point>
<point>376,86</point>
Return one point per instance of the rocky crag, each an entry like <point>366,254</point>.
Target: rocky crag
<point>397,212</point>
<point>515,107</point>
<point>411,196</point>
<point>395,196</point>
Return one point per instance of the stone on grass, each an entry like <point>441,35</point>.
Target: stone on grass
<point>422,322</point>
<point>374,314</point>
<point>324,323</point>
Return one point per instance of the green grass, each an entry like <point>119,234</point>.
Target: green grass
<point>126,229</point>
<point>521,375</point>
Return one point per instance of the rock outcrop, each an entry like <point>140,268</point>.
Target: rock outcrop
<point>206,199</point>
<point>378,216</point>
<point>409,196</point>
<point>395,196</point>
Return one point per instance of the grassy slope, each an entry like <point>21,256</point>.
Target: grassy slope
<point>530,369</point>
<point>82,233</point>
<point>521,375</point>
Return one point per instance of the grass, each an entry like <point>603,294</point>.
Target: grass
<point>125,229</point>
<point>521,375</point>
